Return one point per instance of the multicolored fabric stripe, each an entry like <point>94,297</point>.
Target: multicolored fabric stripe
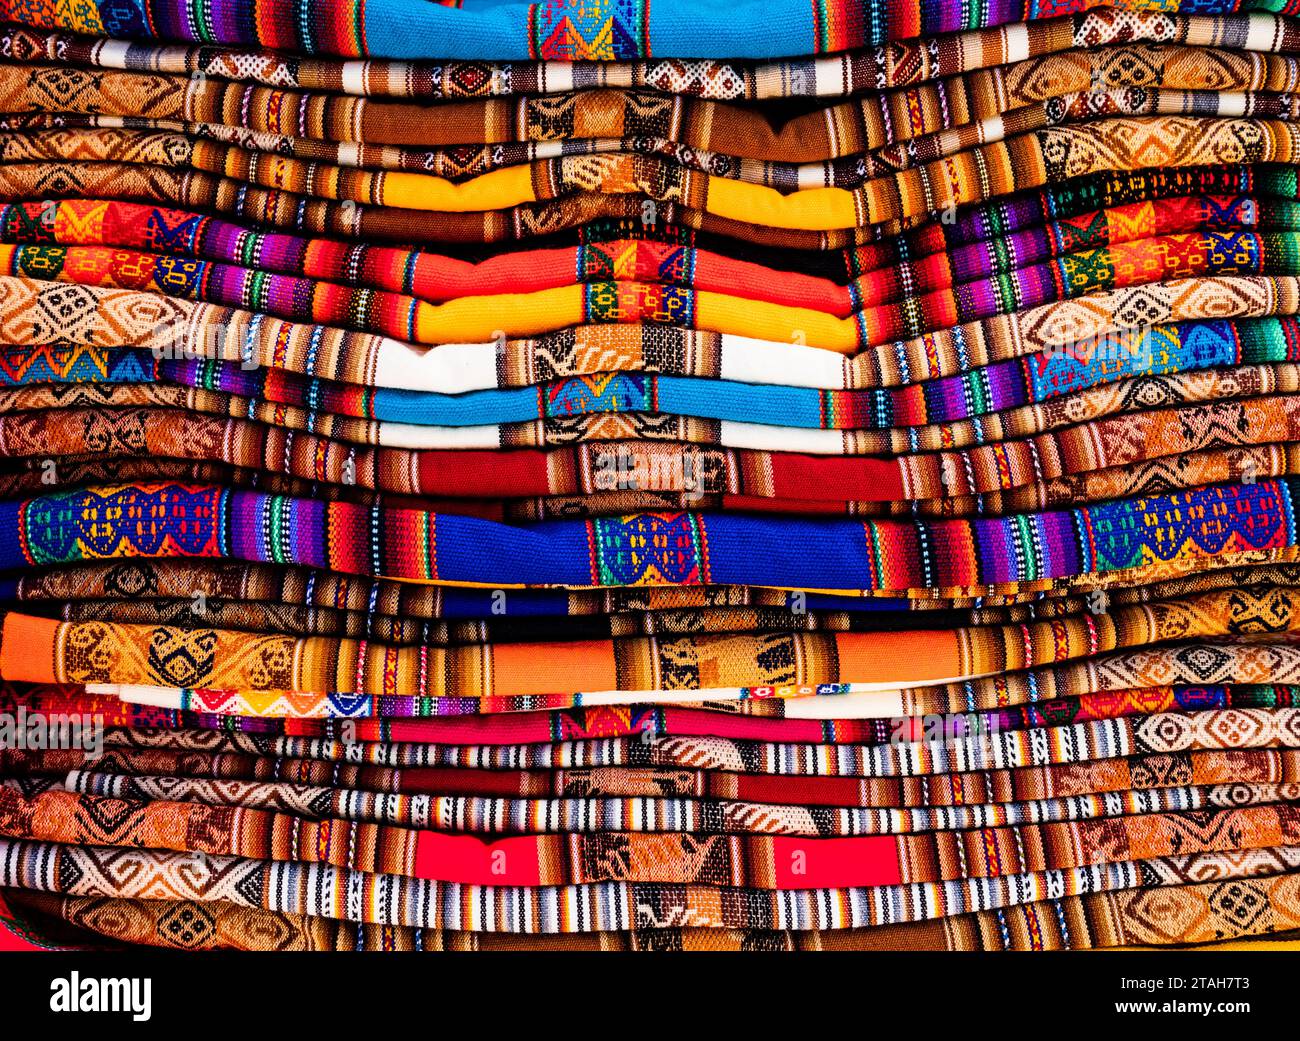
<point>646,549</point>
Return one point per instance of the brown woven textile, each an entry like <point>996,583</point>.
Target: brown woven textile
<point>898,63</point>
<point>1193,914</point>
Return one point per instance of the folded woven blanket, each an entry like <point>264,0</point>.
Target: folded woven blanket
<point>694,667</point>
<point>763,719</point>
<point>838,284</point>
<point>598,467</point>
<point>237,343</point>
<point>760,862</point>
<point>1158,476</point>
<point>496,816</point>
<point>217,581</point>
<point>616,477</point>
<point>577,214</point>
<point>506,29</point>
<point>325,890</point>
<point>128,758</point>
<point>649,549</point>
<point>986,171</point>
<point>458,166</point>
<point>895,64</point>
<point>1083,922</point>
<point>487,318</point>
<point>998,102</point>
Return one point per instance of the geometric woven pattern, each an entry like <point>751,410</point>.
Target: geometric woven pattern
<point>647,476</point>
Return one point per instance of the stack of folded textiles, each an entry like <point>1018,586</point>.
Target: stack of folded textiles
<point>775,475</point>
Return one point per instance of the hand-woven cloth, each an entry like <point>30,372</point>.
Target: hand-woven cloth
<point>1066,333</point>
<point>595,467</point>
<point>1156,476</point>
<point>647,549</point>
<point>1183,471</point>
<point>285,210</point>
<point>1206,913</point>
<point>324,890</point>
<point>603,31</point>
<point>198,589</point>
<point>1057,383</point>
<point>749,860</point>
<point>918,265</point>
<point>651,722</point>
<point>485,318</point>
<point>217,581</point>
<point>1106,681</point>
<point>1162,733</point>
<point>989,170</point>
<point>899,63</point>
<point>1089,405</point>
<point>841,523</point>
<point>239,664</point>
<point>241,755</point>
<point>1108,674</point>
<point>1007,97</point>
<point>221,580</point>
<point>987,222</point>
<point>459,164</point>
<point>491,816</point>
<point>280,209</point>
<point>599,466</point>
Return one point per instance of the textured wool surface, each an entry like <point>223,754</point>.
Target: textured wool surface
<point>640,256</point>
<point>341,893</point>
<point>604,31</point>
<point>478,319</point>
<point>1250,911</point>
<point>1162,733</point>
<point>236,755</point>
<point>899,63</point>
<point>654,606</point>
<point>1157,476</point>
<point>720,719</point>
<point>186,336</point>
<point>285,210</point>
<point>748,860</point>
<point>686,548</point>
<point>1001,166</point>
<point>90,652</point>
<point>780,663</point>
<point>611,477</point>
<point>457,165</point>
<point>484,815</point>
<point>1071,201</point>
<point>596,467</point>
<point>1015,94</point>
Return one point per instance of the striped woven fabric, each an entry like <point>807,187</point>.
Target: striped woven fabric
<point>1086,922</point>
<point>1011,98</point>
<point>638,477</point>
<point>641,256</point>
<point>1001,166</point>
